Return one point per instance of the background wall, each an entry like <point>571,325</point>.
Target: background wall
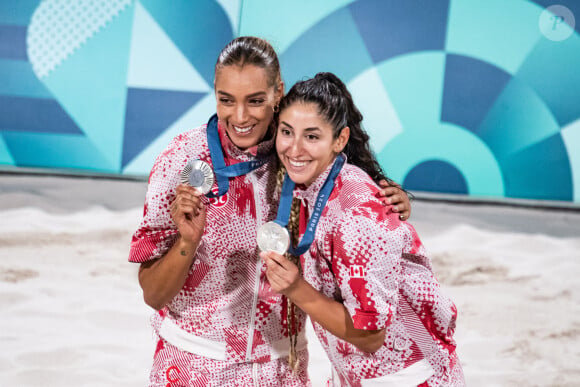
<point>477,97</point>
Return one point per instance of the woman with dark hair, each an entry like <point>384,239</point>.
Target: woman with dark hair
<point>218,320</point>
<point>363,275</point>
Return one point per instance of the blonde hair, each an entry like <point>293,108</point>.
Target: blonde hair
<point>293,228</point>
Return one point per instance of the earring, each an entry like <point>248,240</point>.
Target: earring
<point>276,108</point>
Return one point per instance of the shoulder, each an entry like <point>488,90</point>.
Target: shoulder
<point>355,202</point>
<point>354,196</point>
<point>192,142</point>
<point>354,187</point>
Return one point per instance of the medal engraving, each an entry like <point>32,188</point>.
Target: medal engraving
<point>273,237</point>
<point>198,174</point>
<point>197,178</point>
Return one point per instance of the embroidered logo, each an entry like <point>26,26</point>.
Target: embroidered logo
<point>357,271</point>
<point>220,201</point>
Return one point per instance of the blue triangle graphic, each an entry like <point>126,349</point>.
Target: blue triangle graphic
<point>148,114</point>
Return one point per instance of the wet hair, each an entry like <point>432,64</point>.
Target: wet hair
<point>250,50</point>
<point>335,105</point>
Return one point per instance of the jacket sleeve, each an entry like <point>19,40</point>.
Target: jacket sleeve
<point>156,232</point>
<point>367,246</point>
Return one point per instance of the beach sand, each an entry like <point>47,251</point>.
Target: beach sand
<point>72,313</point>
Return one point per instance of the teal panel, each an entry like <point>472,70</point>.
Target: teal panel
<point>56,151</point>
<point>553,70</point>
<point>414,83</point>
<point>540,171</point>
<point>17,12</point>
<point>18,79</point>
<point>495,31</point>
<point>284,23</point>
<point>155,62</point>
<point>518,119</point>
<point>571,138</point>
<point>232,8</point>
<point>318,49</point>
<point>5,156</point>
<point>196,116</point>
<point>98,71</point>
<point>380,117</point>
<point>448,143</point>
<point>199,28</point>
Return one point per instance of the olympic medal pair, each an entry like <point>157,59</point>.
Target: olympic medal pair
<point>271,235</point>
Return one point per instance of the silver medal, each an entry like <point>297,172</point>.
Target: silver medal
<point>198,174</point>
<point>273,237</point>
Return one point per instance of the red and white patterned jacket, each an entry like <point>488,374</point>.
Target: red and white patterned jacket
<point>376,266</point>
<point>226,298</point>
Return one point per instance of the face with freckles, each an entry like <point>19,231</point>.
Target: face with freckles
<point>306,143</point>
<point>245,102</point>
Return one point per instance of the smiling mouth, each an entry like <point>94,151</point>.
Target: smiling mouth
<point>242,130</point>
<point>297,163</point>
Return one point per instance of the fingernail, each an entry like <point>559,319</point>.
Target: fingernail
<point>395,209</point>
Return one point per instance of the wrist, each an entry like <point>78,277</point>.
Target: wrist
<point>296,293</point>
<point>186,248</point>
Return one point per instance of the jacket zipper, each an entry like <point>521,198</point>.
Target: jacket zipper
<point>259,221</point>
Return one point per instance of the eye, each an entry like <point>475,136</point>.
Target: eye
<point>284,132</point>
<point>311,137</point>
<point>257,101</point>
<point>225,100</point>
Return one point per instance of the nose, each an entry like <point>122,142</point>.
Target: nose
<point>295,146</point>
<point>241,113</point>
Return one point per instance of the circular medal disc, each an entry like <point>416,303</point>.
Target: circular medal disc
<point>198,174</point>
<point>273,237</point>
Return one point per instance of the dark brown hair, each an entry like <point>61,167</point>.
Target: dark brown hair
<point>250,50</point>
<point>335,105</point>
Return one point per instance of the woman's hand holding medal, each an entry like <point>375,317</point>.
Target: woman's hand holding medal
<point>282,274</point>
<point>188,211</point>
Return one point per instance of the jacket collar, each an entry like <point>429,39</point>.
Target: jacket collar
<point>233,154</point>
<point>310,193</point>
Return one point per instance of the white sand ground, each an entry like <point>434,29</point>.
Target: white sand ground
<point>71,312</point>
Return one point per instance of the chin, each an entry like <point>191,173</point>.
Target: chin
<point>297,179</point>
<point>244,142</point>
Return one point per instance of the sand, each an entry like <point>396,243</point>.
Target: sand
<point>72,314</point>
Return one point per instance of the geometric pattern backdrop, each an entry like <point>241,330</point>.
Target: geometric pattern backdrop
<point>465,97</point>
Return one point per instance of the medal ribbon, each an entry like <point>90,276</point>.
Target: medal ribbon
<point>223,172</point>
<point>286,203</point>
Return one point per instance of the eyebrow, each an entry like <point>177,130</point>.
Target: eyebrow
<point>311,129</point>
<point>253,95</point>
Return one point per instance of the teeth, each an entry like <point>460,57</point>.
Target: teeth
<point>297,163</point>
<point>242,130</point>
